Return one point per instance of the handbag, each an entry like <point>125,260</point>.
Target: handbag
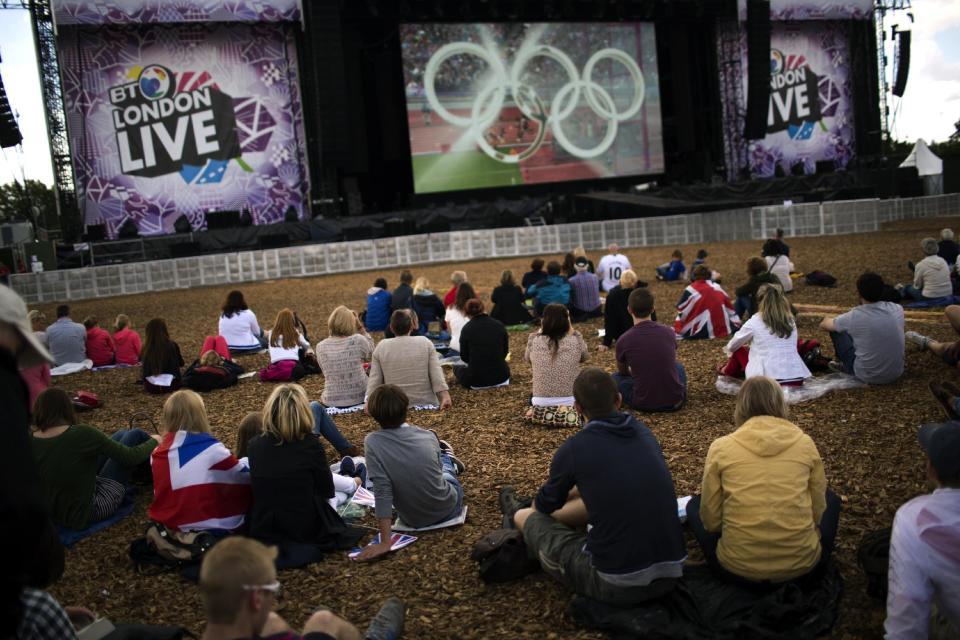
<point>503,557</point>
<point>86,400</point>
<point>553,416</point>
<point>178,547</point>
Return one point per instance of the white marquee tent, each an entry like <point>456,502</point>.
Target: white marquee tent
<point>929,166</point>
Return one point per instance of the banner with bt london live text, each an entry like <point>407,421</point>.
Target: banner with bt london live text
<point>184,120</point>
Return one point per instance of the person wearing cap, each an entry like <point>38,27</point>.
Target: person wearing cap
<point>67,339</point>
<point>931,276</point>
<point>584,292</point>
<point>923,589</point>
<point>612,266</point>
<point>239,588</point>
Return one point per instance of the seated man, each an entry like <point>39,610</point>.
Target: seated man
<point>923,594</point>
<point>238,585</point>
<point>649,377</point>
<point>411,469</point>
<point>552,289</point>
<point>584,292</point>
<point>704,311</point>
<point>610,475</point>
<point>409,362</point>
<point>931,276</point>
<point>67,339</point>
<point>868,339</point>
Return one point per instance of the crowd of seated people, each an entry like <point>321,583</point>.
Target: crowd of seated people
<point>278,487</point>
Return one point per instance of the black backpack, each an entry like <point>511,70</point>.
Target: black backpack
<point>502,555</point>
<point>873,557</point>
<point>821,279</point>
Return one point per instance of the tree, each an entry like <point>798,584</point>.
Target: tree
<point>17,202</point>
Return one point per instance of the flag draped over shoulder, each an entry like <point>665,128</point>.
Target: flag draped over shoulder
<point>705,311</point>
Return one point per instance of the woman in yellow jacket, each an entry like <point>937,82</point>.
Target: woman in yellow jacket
<point>764,514</point>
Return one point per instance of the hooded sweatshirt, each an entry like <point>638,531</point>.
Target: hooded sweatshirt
<point>618,467</point>
<point>378,309</point>
<point>764,490</point>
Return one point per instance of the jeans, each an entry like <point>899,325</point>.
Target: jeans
<point>910,292</point>
<point>450,475</point>
<point>743,305</point>
<point>111,468</point>
<point>708,542</point>
<point>844,348</point>
<point>323,425</point>
<point>625,386</point>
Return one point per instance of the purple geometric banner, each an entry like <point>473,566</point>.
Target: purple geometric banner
<point>810,114</point>
<point>158,11</point>
<point>815,9</point>
<point>184,120</point>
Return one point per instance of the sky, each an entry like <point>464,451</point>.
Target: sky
<point>929,109</point>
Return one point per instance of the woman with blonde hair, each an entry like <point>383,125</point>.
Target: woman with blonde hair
<point>764,515</point>
<point>768,341</point>
<point>198,485</point>
<point>426,305</point>
<point>507,299</point>
<point>289,350</point>
<point>211,371</point>
<point>342,357</point>
<point>126,341</point>
<point>616,317</point>
<point>292,483</point>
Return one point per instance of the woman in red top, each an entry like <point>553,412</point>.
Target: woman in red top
<point>100,347</point>
<point>127,341</point>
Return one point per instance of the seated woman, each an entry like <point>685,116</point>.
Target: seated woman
<point>211,372</point>
<point>289,350</point>
<point>535,275</point>
<point>704,311</point>
<point>84,473</point>
<point>931,276</point>
<point>484,345</point>
<point>507,299</point>
<point>555,353</point>
<point>746,303</point>
<point>765,515</point>
<point>127,341</point>
<point>292,483</point>
<point>161,359</point>
<point>456,279</point>
<point>426,305</point>
<point>198,485</point>
<point>455,316</point>
<point>767,342</point>
<point>378,306</point>
<point>250,427</point>
<point>238,326</point>
<point>616,318</point>
<point>342,357</point>
<point>777,263</point>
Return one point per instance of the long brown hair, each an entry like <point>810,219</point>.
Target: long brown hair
<point>284,333</point>
<point>156,345</point>
<point>555,325</point>
<point>464,292</point>
<point>234,304</point>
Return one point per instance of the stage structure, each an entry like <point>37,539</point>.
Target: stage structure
<point>180,110</point>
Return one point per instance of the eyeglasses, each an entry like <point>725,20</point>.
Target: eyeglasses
<point>273,587</point>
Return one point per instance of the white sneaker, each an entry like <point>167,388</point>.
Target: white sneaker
<point>920,340</point>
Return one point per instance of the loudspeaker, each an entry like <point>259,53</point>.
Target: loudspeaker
<point>903,63</point>
<point>182,225</point>
<point>246,220</point>
<point>223,219</point>
<point>95,233</point>
<point>291,215</point>
<point>128,230</point>
<point>185,249</point>
<point>9,130</point>
<point>274,241</point>
<point>758,69</point>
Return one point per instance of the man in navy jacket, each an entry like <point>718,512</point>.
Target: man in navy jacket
<point>612,476</point>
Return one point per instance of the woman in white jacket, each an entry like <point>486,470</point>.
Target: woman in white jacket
<point>771,334</point>
<point>778,264</point>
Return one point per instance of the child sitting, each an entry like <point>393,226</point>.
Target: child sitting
<point>673,270</point>
<point>100,347</point>
<point>211,372</point>
<point>378,306</point>
<point>127,341</point>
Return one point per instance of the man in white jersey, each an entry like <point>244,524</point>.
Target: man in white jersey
<point>611,266</point>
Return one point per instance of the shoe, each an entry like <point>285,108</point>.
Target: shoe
<point>918,339</point>
<point>945,398</point>
<point>388,623</point>
<point>835,366</point>
<point>510,503</point>
<point>348,467</point>
<point>361,472</point>
<point>444,445</point>
<point>457,462</point>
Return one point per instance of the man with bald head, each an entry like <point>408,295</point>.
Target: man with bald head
<point>612,266</point>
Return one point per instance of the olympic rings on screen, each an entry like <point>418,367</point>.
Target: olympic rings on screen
<point>489,101</point>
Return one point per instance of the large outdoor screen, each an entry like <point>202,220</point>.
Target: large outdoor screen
<point>492,105</point>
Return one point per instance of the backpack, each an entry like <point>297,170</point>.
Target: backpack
<point>873,557</point>
<point>177,548</point>
<point>502,555</point>
<point>85,401</point>
<point>821,279</point>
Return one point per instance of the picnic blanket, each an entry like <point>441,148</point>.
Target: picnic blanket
<point>70,537</point>
<point>71,367</point>
<point>400,525</point>
<point>811,389</point>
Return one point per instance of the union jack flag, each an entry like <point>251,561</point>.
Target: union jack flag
<point>705,311</point>
<point>198,484</point>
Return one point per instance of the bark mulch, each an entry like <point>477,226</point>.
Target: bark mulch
<point>867,439</point>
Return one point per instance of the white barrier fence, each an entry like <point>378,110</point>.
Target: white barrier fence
<point>828,218</point>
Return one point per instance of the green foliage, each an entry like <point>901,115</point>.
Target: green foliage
<point>16,202</point>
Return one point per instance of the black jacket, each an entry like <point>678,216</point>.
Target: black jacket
<point>948,250</point>
<point>429,308</point>
<point>531,278</point>
<point>402,297</point>
<point>616,318</point>
<point>508,305</point>
<point>291,484</point>
<point>484,345</point>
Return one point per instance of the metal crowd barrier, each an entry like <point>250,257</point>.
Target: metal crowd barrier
<point>808,219</point>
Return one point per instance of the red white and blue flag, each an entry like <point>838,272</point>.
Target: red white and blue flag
<point>198,484</point>
<point>705,312</point>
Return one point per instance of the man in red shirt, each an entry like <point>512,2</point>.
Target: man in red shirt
<point>100,346</point>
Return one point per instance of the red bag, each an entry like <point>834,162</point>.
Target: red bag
<point>86,400</point>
